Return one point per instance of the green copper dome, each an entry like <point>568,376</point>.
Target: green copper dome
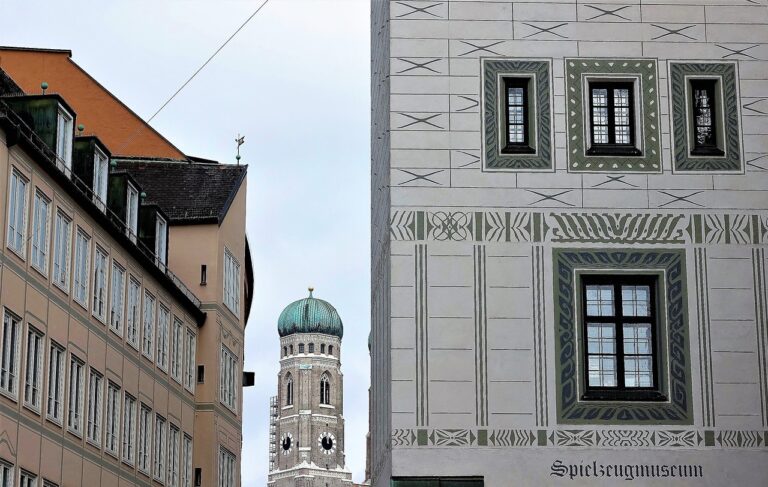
<point>310,315</point>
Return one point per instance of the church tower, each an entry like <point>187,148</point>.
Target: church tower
<point>308,417</point>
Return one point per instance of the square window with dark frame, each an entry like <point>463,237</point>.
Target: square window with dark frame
<point>517,113</point>
<point>612,118</point>
<point>620,337</point>
<point>704,106</point>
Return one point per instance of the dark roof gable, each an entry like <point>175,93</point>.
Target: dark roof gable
<point>189,193</point>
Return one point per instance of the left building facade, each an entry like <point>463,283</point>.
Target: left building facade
<point>125,287</point>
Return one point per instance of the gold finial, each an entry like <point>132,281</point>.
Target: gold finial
<point>310,290</point>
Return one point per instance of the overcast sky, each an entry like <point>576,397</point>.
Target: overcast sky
<point>295,82</point>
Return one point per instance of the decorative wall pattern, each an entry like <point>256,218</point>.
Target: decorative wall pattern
<point>704,335</point>
<point>570,409</point>
<point>538,313</point>
<point>421,313</point>
<point>761,321</point>
<point>481,336</point>
<point>645,69</point>
<point>540,72</point>
<point>683,161</point>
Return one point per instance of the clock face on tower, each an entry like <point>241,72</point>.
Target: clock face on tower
<point>286,443</point>
<point>327,443</point>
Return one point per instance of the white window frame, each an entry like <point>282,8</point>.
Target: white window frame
<point>227,462</point>
<point>163,322</point>
<point>186,474</point>
<point>56,372</point>
<point>62,250</point>
<point>173,455</point>
<point>134,313</point>
<point>95,394</point>
<point>132,212</point>
<point>145,437</point>
<point>161,242</point>
<point>64,135</point>
<point>148,330</point>
<point>100,178</point>
<point>9,355</point>
<point>190,349</point>
<point>231,282</point>
<point>16,230</point>
<point>100,279</point>
<point>177,349</point>
<point>75,402</point>
<point>227,378</point>
<point>41,212</point>
<point>33,373</point>
<point>159,450</point>
<point>82,267</point>
<point>129,429</point>
<point>112,420</point>
<point>117,299</point>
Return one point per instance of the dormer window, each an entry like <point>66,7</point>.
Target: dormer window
<point>64,134</point>
<point>100,174</point>
<point>161,241</point>
<point>132,213</point>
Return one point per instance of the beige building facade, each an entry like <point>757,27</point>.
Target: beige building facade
<point>569,230</point>
<point>125,289</point>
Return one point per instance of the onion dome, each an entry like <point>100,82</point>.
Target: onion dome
<point>310,315</point>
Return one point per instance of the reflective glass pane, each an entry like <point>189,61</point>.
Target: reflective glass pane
<point>601,338</point>
<point>600,97</point>
<point>635,300</point>
<point>637,338</point>
<point>600,300</point>
<point>638,371</point>
<point>602,371</point>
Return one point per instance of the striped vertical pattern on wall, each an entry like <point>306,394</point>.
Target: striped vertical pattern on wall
<point>705,346</point>
<point>540,337</point>
<point>422,336</point>
<point>761,322</point>
<point>481,336</point>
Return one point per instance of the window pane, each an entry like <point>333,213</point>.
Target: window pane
<point>635,300</point>
<point>601,338</point>
<point>622,135</point>
<point>600,97</point>
<point>637,338</point>
<point>638,372</point>
<point>621,97</point>
<point>515,96</point>
<point>600,300</point>
<point>602,371</point>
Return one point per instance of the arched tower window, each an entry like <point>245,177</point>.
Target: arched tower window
<point>288,390</point>
<point>325,389</point>
<point>330,349</point>
<point>285,351</point>
<point>322,348</point>
<point>311,348</point>
<point>301,348</point>
<point>290,348</point>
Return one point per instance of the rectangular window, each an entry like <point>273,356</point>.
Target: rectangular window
<point>148,335</point>
<point>129,429</point>
<point>161,242</point>
<point>145,436</point>
<point>173,456</point>
<point>704,104</point>
<point>517,111</point>
<point>34,369</point>
<point>100,178</point>
<point>27,479</point>
<point>620,337</point>
<point>9,367</point>
<point>163,317</point>
<point>231,283</point>
<point>6,474</point>
<point>17,213</point>
<point>117,299</point>
<point>226,468</point>
<point>190,349</point>
<point>159,451</point>
<point>227,383</point>
<point>612,118</point>
<point>177,349</point>
<point>75,407</point>
<point>64,134</point>
<point>132,331</point>
<point>186,472</point>
<point>54,409</point>
<point>132,213</point>
<point>40,213</point>
<point>61,245</point>
<point>100,284</point>
<point>95,391</point>
<point>112,420</point>
<point>82,257</point>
